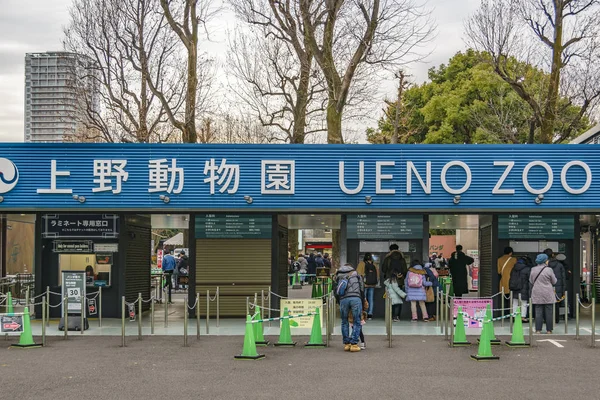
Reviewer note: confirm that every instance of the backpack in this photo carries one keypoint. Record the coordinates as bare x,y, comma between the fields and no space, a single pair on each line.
341,287
370,274
296,266
415,280
514,282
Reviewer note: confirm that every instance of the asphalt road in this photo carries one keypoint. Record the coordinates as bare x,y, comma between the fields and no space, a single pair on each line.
415,368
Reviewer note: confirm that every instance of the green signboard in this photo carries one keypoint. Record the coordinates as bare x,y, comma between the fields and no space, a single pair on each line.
233,226
367,226
521,226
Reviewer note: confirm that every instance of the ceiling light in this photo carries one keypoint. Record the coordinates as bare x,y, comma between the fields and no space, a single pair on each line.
312,215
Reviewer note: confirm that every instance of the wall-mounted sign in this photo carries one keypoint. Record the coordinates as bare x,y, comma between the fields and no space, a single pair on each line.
233,226
72,246
73,287
92,309
368,226
539,226
80,226
106,247
104,258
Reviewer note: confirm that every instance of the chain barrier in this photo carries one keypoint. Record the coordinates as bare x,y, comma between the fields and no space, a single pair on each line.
212,298
91,298
558,300
265,308
581,304
276,295
256,321
149,300
57,305
194,306
485,319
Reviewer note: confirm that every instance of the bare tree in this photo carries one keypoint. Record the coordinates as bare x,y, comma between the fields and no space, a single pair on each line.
186,17
554,35
271,57
345,36
119,43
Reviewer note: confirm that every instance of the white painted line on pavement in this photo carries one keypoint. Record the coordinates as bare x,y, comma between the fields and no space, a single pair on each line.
554,342
586,329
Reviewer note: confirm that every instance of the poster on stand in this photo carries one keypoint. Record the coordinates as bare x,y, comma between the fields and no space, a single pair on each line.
474,308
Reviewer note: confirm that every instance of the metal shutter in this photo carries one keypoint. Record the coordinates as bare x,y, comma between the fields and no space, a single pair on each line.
485,261
137,264
239,267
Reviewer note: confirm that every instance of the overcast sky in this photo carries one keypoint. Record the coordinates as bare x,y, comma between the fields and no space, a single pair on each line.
36,26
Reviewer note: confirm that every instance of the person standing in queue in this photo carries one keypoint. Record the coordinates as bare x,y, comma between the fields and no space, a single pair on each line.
432,276
349,290
168,266
458,269
542,281
326,260
371,277
505,266
519,285
312,267
394,263
397,295
416,281
183,266
561,279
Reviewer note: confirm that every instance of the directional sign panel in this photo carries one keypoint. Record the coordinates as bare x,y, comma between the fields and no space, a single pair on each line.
11,324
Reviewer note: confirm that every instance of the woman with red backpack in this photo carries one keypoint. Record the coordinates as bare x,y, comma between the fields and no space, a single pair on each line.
416,281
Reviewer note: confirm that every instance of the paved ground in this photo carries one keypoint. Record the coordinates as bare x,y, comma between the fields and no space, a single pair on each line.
416,367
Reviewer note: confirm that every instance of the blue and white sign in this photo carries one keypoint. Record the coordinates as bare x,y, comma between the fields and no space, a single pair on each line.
271,178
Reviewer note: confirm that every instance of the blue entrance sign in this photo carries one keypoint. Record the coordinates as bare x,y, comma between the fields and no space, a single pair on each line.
274,178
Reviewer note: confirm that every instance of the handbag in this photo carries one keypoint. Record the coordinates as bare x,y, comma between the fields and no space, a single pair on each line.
430,296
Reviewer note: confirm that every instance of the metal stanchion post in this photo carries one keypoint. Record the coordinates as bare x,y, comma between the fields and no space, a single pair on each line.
437,308
167,313
27,294
566,312
82,327
255,299
326,319
531,323
139,316
553,311
262,302
269,306
208,310
219,305
247,305
593,322
386,315
43,321
577,316
447,319
47,305
452,322
66,316
510,308
501,308
151,316
390,322
185,324
100,306
123,321
197,315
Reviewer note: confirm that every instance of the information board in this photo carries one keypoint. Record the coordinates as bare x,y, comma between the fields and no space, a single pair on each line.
73,287
521,226
233,226
302,306
368,226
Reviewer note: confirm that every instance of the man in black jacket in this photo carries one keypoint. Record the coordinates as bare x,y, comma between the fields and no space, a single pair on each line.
561,279
519,285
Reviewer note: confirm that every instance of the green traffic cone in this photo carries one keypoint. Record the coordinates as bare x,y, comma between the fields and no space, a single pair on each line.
316,338
460,336
296,282
26,338
517,339
285,334
259,338
488,316
319,291
249,350
485,348
9,304
314,294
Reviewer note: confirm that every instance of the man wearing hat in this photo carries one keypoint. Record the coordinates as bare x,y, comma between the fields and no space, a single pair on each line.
561,278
